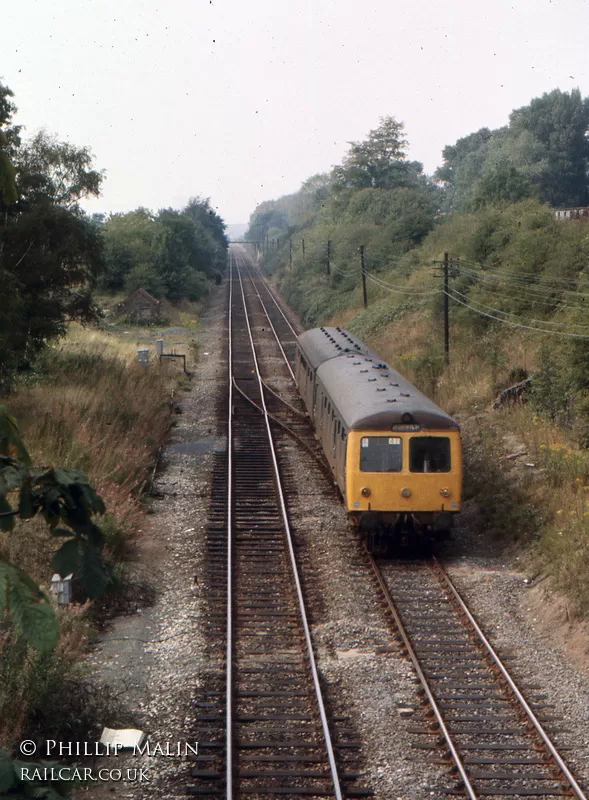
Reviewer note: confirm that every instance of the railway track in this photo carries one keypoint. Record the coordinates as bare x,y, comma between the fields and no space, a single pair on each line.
267,730
474,717
494,737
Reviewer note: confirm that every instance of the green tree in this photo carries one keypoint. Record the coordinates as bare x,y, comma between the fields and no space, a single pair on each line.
502,183
128,246
50,252
544,152
56,171
8,193
379,162
170,254
178,254
463,166
559,123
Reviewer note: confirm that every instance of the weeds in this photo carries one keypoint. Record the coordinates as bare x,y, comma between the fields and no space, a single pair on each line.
91,407
504,497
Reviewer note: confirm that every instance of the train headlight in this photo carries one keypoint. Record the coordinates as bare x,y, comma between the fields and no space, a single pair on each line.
445,492
366,492
405,492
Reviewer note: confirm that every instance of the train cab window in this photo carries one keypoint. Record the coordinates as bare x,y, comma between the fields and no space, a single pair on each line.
381,454
429,454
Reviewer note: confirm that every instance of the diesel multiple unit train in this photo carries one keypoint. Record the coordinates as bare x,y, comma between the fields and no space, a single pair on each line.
395,456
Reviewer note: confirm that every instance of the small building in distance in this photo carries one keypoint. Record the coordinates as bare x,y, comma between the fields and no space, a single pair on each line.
580,212
140,305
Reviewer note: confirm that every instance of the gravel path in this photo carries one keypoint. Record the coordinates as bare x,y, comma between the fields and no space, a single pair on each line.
154,655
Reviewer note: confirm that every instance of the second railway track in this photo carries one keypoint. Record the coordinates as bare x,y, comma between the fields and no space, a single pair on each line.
494,737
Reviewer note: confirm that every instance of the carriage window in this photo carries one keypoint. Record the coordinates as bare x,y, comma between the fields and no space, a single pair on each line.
429,454
381,454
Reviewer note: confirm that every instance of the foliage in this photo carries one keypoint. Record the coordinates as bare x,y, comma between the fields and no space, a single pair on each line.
172,254
543,152
375,198
67,502
379,162
56,171
50,252
13,785
502,496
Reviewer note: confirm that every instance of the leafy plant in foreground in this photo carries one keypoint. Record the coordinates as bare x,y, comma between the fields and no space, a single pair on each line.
67,502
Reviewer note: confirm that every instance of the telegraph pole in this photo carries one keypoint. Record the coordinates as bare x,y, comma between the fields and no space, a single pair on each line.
328,256
303,244
290,252
446,263
363,267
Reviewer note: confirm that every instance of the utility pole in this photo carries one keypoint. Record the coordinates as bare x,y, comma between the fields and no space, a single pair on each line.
363,267
328,256
290,252
303,243
446,263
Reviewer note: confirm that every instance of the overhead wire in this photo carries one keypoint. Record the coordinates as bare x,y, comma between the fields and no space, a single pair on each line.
528,291
557,303
517,273
514,279
517,316
515,324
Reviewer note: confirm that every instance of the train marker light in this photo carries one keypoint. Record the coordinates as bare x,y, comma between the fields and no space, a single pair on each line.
366,492
405,492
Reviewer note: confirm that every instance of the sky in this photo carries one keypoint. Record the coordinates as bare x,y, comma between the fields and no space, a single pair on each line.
241,101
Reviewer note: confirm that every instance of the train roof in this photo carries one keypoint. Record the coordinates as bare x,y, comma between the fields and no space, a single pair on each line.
371,395
322,344
367,392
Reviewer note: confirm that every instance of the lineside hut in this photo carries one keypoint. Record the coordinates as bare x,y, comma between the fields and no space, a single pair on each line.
140,305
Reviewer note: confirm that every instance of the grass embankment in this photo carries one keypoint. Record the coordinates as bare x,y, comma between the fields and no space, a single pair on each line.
91,407
540,265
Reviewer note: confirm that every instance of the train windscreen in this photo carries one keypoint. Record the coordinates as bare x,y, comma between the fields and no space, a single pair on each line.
381,454
429,454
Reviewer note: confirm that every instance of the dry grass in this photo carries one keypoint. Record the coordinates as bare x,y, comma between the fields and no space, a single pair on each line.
96,410
92,408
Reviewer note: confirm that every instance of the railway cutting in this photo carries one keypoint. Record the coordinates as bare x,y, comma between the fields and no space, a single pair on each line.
269,724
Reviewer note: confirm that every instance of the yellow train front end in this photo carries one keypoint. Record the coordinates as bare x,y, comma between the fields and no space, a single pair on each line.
398,476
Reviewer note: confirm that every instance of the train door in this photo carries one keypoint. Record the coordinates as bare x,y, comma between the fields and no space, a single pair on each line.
340,456
319,410
329,437
310,396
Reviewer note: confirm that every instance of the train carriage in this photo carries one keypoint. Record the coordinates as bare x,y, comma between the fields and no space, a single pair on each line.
395,455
